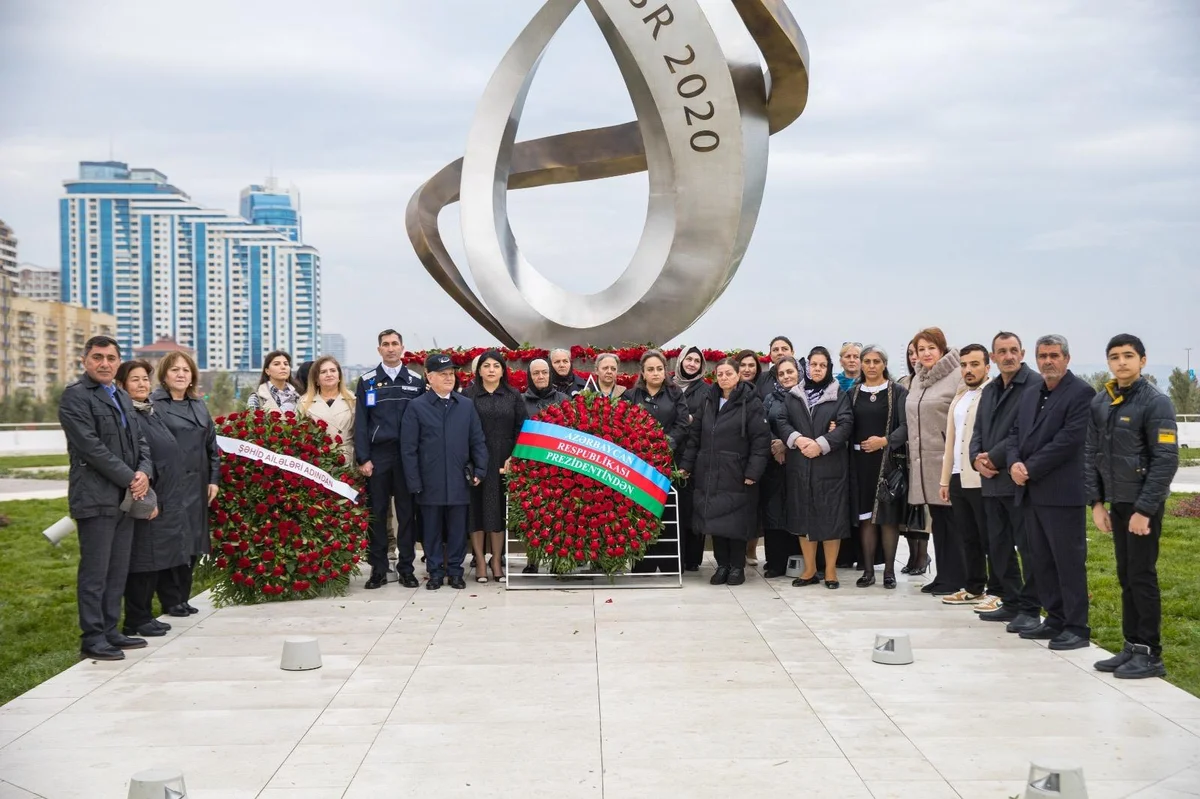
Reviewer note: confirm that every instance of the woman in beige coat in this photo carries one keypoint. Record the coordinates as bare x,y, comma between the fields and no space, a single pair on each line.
327,400
929,396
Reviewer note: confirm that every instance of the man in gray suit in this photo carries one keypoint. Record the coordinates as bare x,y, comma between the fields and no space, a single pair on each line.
109,456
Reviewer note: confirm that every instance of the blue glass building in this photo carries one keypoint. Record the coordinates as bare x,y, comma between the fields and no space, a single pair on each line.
231,287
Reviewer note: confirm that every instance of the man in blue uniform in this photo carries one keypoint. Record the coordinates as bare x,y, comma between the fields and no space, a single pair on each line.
381,398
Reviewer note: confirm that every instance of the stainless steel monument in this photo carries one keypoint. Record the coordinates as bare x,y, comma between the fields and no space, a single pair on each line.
705,109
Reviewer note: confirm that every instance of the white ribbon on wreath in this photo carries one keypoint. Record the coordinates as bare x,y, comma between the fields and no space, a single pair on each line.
253,452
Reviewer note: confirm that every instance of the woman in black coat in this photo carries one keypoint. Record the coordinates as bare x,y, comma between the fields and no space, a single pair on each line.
502,412
689,379
159,544
772,497
726,456
816,423
540,394
186,416
664,402
881,438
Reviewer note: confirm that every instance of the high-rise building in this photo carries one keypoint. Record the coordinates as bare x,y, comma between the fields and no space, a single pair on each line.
232,290
334,344
38,283
8,290
49,339
266,205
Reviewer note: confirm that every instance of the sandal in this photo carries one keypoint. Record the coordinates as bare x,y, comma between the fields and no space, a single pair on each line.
500,578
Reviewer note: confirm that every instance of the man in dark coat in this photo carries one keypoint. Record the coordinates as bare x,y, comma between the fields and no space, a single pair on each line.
380,401
1014,582
443,452
1045,453
1131,457
109,456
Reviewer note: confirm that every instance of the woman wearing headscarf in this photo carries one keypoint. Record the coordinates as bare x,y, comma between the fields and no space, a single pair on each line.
540,393
160,544
927,410
779,544
276,390
502,412
655,395
750,371
880,435
689,379
178,402
726,454
816,425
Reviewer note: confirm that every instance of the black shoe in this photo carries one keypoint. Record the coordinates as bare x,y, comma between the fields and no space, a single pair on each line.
376,581
866,581
104,651
1043,632
906,569
179,611
889,581
832,584
530,568
771,574
1068,640
125,642
720,576
942,592
691,568
149,629
191,609
799,581
1109,665
1022,623
736,577
1142,665
929,588
458,582
999,614
434,583
162,625
410,580
919,570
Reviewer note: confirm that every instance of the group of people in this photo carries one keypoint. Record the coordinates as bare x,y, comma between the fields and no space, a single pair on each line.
998,471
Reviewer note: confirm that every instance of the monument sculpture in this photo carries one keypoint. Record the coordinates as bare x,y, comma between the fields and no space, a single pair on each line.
704,108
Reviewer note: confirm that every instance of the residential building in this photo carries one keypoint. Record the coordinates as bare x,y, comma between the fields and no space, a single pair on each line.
334,344
138,247
49,339
8,290
266,205
153,353
38,283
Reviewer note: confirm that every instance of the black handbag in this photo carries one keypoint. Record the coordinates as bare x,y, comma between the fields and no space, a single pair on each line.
893,485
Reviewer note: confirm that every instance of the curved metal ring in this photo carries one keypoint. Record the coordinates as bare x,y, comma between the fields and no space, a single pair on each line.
702,210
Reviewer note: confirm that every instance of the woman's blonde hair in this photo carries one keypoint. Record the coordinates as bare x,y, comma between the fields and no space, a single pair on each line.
169,361
314,385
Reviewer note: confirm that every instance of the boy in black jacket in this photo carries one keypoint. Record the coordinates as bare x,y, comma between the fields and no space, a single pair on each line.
1131,457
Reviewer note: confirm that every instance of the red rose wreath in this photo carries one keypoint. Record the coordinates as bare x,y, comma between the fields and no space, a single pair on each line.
277,535
568,520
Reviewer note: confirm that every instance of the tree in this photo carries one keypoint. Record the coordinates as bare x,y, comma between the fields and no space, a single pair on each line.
1097,379
220,397
1184,392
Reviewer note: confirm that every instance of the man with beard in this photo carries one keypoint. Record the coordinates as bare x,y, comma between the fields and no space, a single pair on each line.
960,484
1046,450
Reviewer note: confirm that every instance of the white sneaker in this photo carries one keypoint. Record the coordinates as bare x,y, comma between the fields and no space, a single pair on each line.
988,603
962,597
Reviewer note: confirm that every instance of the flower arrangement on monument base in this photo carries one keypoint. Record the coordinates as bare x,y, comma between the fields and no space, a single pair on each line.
278,535
569,521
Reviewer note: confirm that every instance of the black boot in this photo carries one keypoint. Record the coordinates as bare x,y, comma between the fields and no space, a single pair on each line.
720,576
1116,661
736,577
1141,665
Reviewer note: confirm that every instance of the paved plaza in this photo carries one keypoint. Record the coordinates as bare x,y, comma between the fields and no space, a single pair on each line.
761,690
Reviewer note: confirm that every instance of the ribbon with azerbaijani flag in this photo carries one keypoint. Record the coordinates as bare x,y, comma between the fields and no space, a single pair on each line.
597,458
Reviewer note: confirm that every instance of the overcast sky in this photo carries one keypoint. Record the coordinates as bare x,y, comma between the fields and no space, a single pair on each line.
975,165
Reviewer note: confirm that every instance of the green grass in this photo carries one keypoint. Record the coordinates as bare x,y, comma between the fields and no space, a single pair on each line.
39,624
30,461
1179,580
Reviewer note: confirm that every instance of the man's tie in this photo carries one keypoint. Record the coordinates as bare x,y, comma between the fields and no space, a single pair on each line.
112,393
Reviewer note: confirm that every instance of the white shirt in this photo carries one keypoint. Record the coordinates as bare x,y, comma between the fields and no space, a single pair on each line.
960,425
392,371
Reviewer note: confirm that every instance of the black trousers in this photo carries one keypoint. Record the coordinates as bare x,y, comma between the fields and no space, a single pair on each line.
104,546
140,588
729,552
779,545
385,485
947,549
444,537
1058,537
971,526
1137,571
693,543
1013,579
